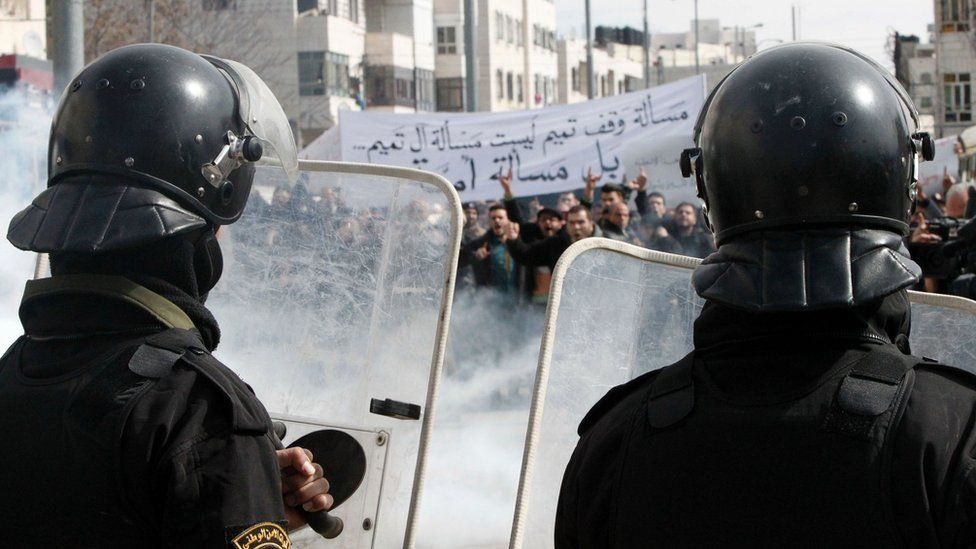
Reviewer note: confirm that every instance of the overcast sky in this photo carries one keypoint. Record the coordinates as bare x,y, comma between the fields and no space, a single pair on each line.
860,24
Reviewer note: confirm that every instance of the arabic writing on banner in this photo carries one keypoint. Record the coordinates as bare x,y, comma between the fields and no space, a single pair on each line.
548,150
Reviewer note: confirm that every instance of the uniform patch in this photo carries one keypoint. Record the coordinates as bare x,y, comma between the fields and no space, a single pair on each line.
264,535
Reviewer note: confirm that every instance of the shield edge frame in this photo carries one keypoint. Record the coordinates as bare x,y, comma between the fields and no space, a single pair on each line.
42,269
444,316
536,411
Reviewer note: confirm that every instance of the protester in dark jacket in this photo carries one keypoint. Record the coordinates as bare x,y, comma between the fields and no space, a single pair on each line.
547,251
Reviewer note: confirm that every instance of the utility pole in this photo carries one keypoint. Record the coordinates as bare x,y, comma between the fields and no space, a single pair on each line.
793,10
647,51
470,58
151,12
68,41
697,65
589,54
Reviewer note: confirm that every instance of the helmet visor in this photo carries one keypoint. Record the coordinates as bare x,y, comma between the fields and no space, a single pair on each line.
263,116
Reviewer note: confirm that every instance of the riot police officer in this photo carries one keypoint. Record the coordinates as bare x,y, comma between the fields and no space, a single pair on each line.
800,418
120,427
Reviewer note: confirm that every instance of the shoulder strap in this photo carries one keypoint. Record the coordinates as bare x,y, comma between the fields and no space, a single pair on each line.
868,391
870,387
672,396
157,356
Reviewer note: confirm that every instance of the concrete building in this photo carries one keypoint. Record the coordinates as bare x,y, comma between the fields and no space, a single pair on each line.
23,28
618,57
399,65
915,68
310,52
955,66
613,72
328,38
516,54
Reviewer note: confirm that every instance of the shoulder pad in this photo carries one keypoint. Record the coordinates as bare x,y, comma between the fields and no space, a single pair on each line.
613,397
157,356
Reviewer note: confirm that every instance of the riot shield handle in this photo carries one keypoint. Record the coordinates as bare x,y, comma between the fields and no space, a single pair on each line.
347,461
328,526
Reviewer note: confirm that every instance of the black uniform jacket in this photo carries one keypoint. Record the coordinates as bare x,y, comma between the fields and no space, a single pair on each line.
768,455
120,429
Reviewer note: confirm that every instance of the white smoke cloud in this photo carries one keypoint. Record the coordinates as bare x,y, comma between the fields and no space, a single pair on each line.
482,416
25,122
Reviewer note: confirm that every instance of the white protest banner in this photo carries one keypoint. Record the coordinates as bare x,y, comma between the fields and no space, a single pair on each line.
930,174
548,150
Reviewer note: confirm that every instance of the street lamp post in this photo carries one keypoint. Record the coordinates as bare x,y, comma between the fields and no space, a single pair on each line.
647,51
589,54
697,66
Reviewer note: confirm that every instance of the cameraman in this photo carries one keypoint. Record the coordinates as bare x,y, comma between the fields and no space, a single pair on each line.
939,242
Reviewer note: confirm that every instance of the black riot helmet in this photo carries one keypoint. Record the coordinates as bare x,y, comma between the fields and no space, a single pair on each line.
805,135
151,141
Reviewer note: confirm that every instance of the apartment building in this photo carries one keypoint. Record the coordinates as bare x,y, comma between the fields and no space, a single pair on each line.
618,58
516,54
310,52
614,72
955,66
915,68
399,65
23,28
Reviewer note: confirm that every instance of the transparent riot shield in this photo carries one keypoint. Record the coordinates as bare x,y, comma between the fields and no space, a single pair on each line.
617,311
334,306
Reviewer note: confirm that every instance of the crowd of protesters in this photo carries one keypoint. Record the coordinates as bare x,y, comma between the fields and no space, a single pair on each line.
510,246
937,221
515,253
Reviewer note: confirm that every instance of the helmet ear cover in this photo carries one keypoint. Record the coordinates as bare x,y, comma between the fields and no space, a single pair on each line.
782,141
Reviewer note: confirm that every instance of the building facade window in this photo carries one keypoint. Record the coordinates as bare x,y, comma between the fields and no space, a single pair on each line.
499,84
925,102
336,74
926,78
499,26
311,73
574,79
957,95
387,85
519,35
446,40
509,30
509,86
955,15
450,94
536,35
519,95
425,90
323,73
354,11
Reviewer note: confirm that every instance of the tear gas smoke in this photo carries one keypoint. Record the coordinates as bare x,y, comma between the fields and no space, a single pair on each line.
476,453
320,326
25,121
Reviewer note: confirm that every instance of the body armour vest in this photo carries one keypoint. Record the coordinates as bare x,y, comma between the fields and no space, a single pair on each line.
62,439
812,470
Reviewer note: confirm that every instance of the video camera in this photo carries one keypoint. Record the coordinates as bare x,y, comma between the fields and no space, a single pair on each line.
954,258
